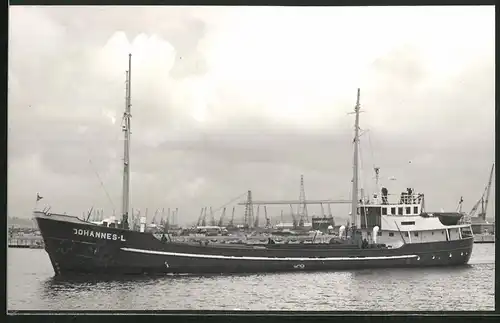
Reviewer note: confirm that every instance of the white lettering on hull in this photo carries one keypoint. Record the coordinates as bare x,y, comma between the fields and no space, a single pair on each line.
191,255
100,235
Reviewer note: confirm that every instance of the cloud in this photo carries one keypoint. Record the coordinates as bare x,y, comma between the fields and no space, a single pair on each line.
230,99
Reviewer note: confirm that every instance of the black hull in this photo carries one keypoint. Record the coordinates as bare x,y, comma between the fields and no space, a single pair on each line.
73,248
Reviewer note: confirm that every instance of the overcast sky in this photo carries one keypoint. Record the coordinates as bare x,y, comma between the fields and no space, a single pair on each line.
230,99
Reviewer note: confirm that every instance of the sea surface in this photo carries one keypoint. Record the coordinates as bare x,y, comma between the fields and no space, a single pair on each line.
31,286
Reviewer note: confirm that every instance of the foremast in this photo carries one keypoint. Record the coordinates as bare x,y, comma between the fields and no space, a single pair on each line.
355,167
126,147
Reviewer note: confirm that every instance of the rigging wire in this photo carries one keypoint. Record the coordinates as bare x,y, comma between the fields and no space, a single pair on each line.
373,161
363,183
231,201
116,140
102,183
371,148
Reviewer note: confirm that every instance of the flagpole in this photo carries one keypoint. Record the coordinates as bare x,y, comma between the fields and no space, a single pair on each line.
36,203
38,198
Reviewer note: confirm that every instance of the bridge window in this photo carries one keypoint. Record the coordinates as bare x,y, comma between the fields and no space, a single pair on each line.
379,234
391,234
408,209
415,209
408,223
415,234
406,234
384,211
400,211
393,210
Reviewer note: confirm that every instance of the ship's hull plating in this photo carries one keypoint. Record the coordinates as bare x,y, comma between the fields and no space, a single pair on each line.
76,247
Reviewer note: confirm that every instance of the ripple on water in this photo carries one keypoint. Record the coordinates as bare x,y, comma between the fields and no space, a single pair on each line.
461,288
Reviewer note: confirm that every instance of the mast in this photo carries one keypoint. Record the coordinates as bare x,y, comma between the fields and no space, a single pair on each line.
126,148
354,205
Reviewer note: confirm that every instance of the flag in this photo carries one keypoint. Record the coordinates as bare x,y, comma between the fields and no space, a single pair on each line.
38,197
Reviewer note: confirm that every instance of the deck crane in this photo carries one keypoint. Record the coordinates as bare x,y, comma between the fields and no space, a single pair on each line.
221,219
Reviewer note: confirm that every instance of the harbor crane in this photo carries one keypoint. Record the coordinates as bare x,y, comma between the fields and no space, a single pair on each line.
221,219
231,223
268,221
256,222
295,202
483,201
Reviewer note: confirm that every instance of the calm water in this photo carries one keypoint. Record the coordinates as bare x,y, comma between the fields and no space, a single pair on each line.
30,285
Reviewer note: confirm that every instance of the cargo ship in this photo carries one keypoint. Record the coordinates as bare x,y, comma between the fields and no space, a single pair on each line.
381,234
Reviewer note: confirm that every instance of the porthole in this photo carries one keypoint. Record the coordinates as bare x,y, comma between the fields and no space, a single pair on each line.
461,254
418,257
433,257
450,255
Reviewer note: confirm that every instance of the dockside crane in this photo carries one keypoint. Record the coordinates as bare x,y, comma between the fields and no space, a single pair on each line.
268,220
231,222
175,216
249,210
168,222
221,219
302,207
204,218
483,201
212,218
198,223
256,222
293,217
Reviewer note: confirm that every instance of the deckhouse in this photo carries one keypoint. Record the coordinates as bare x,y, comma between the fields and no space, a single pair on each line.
401,219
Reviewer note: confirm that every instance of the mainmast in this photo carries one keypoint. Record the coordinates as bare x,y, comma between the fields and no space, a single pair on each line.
126,148
354,205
